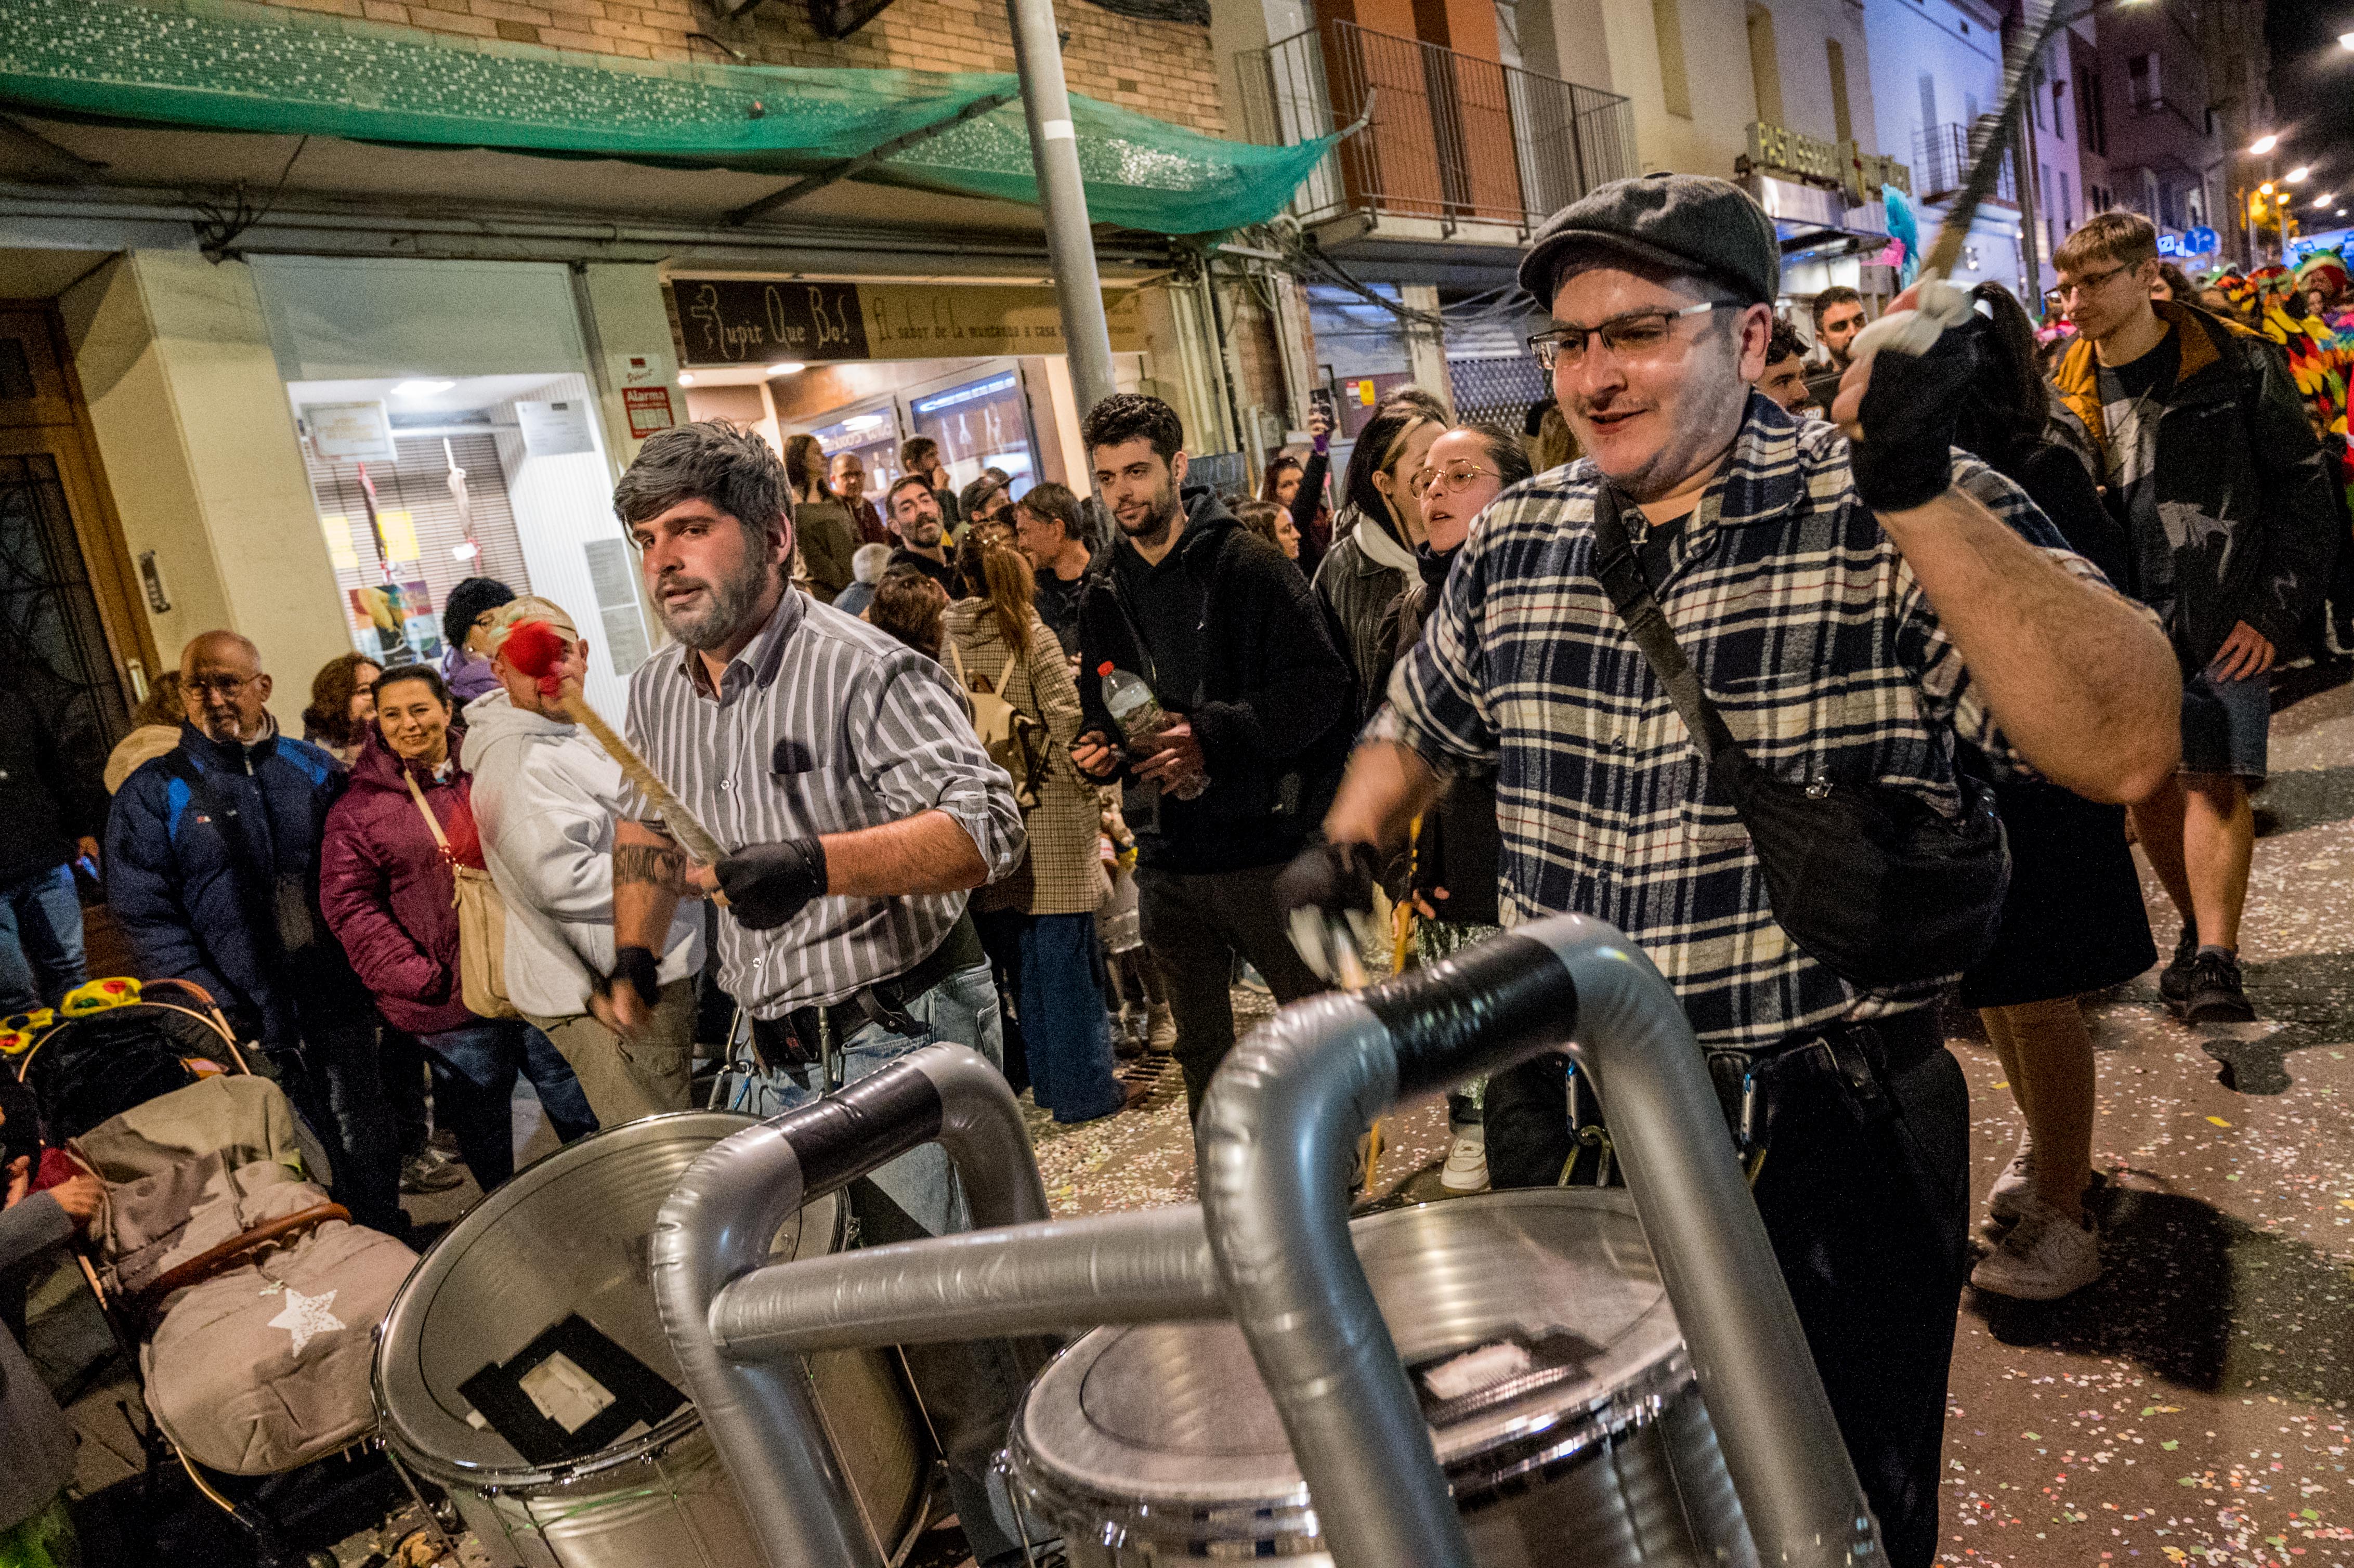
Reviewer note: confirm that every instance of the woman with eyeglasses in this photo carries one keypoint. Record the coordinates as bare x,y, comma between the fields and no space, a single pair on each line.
1509,1130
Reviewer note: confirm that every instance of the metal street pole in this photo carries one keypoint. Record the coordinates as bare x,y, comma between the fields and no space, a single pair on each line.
1054,154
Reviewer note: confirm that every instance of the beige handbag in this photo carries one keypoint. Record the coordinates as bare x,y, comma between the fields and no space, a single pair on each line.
481,926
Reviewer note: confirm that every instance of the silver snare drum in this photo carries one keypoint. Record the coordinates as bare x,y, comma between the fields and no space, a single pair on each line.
569,1234
1561,1399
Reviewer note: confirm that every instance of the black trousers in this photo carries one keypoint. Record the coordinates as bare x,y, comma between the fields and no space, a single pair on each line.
1868,1217
1870,1225
1194,924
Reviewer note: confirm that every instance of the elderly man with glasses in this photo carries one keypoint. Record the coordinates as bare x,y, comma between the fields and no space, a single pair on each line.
212,856
1857,602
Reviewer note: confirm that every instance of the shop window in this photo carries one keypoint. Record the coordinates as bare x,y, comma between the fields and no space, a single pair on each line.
422,483
874,435
980,425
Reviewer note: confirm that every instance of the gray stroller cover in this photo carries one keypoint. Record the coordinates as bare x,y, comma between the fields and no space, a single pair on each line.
259,1324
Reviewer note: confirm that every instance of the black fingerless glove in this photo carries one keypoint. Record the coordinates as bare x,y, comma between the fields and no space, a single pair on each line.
641,970
768,884
1335,878
1905,457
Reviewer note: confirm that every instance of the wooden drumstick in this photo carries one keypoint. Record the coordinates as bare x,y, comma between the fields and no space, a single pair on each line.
535,648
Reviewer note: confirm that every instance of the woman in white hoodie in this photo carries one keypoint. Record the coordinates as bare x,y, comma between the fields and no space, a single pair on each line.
545,796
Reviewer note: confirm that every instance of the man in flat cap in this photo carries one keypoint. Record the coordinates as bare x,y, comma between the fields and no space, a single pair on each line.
1860,604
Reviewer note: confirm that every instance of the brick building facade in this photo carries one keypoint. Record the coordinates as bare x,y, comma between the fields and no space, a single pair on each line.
1161,69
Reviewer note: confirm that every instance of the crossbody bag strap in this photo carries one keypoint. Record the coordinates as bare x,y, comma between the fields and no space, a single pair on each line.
1616,568
432,822
433,825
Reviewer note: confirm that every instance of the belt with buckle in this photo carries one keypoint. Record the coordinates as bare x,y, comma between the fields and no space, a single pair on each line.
799,1035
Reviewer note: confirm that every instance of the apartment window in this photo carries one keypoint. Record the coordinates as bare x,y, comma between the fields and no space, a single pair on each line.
1841,119
1765,66
2067,203
2141,80
2091,119
2037,98
1928,86
1675,84
2059,114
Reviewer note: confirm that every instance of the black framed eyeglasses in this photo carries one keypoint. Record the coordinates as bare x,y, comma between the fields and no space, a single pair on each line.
1636,332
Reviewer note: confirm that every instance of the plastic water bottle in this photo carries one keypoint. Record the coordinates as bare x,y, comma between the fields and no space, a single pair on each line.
1140,717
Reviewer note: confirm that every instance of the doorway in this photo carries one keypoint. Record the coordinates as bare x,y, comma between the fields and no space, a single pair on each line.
68,623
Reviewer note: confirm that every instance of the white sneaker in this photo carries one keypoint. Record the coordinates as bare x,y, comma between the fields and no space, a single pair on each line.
2014,1189
1466,1163
2043,1258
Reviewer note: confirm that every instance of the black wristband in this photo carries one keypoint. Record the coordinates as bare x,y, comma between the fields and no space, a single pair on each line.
768,884
641,970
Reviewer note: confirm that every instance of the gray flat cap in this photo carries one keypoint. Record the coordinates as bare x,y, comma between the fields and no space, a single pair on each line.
1691,222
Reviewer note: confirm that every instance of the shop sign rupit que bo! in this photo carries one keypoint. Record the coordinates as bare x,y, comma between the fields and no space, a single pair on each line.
737,320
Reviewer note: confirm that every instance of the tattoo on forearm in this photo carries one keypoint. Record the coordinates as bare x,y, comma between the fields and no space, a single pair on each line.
650,865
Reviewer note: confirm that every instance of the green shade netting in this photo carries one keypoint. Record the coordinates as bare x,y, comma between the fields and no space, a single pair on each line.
219,65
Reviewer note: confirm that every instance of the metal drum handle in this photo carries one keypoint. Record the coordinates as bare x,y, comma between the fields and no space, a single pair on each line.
1277,1136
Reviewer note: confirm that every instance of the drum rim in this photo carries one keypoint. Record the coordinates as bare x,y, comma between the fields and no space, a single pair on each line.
1114,1518
435,1266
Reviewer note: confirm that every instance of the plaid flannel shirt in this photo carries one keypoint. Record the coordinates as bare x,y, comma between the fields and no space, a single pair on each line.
1811,635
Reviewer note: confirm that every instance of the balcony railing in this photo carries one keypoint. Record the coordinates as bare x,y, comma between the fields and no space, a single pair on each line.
1941,162
1449,137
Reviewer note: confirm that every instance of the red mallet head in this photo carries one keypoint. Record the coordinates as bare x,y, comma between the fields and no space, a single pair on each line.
535,648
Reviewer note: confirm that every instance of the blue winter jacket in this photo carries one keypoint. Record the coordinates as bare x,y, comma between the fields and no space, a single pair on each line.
220,902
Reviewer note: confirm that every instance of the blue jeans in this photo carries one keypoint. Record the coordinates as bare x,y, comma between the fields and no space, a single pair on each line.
968,1390
1063,1019
474,1069
40,941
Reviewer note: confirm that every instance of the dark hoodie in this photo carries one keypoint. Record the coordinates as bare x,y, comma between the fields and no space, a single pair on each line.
1269,694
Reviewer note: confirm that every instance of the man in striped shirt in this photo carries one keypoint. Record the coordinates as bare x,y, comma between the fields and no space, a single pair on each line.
838,773
1857,610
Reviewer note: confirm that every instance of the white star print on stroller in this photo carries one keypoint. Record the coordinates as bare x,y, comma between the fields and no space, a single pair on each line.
248,1297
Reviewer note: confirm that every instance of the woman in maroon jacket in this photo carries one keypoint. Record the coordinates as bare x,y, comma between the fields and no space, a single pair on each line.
389,896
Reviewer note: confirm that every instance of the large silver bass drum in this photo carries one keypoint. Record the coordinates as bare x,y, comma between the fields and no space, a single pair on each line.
567,1239
1540,1342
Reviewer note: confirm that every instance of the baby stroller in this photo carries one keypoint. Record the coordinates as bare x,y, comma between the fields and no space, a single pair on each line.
246,1297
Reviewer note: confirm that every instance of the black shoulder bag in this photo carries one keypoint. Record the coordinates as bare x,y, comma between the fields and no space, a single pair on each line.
1873,882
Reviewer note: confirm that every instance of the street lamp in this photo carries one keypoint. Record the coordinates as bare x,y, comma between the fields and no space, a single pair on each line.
2296,176
2346,40
2264,144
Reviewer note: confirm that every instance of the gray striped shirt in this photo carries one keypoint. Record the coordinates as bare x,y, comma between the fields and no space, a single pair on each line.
822,725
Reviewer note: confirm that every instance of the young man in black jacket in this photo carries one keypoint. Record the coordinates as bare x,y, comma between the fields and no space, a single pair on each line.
1236,648
2215,470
